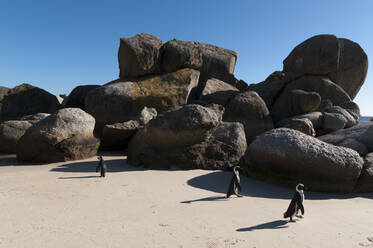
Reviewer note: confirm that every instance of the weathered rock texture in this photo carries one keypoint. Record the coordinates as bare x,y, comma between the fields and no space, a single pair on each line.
139,55
283,107
189,137
77,96
269,89
344,61
285,155
359,138
116,136
26,99
365,182
10,133
121,101
250,110
65,135
303,125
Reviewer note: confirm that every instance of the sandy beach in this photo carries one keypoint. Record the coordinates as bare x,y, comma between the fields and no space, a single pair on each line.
68,205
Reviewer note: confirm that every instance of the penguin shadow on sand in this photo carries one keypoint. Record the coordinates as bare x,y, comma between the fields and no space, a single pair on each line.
277,224
112,166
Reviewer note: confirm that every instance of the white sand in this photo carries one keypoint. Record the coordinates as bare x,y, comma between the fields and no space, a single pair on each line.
67,205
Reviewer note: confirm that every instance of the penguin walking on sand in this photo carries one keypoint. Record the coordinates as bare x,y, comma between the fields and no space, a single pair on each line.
296,203
101,167
235,186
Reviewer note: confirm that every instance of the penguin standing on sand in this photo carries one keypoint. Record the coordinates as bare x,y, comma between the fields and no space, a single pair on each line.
234,186
296,203
101,167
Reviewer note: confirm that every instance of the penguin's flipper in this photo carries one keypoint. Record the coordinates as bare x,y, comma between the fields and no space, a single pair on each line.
231,188
301,208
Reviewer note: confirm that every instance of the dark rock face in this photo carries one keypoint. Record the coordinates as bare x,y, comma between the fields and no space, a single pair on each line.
353,67
250,110
344,61
350,119
10,133
269,89
365,182
121,101
189,137
116,136
333,122
77,96
359,138
304,102
316,118
65,135
282,108
139,55
210,60
26,99
303,125
285,155
218,92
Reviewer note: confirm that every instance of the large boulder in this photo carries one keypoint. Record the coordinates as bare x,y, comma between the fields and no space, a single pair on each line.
121,101
116,136
365,182
10,133
344,61
289,156
333,122
35,117
283,107
249,109
139,55
359,138
210,60
351,120
218,92
62,136
77,96
317,119
189,137
26,99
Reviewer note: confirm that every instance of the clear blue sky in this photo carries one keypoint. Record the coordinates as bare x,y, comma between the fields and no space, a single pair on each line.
57,45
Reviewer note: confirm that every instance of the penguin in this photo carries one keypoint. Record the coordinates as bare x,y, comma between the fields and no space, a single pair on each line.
296,203
101,167
234,186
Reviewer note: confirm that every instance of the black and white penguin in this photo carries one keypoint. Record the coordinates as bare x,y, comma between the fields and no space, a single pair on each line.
234,186
296,203
101,167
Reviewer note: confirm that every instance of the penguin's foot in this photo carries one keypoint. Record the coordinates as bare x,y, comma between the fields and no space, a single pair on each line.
238,195
300,216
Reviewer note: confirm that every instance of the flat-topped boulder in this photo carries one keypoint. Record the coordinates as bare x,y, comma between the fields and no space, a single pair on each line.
218,92
26,99
116,136
62,136
210,60
288,156
139,55
121,101
343,60
189,137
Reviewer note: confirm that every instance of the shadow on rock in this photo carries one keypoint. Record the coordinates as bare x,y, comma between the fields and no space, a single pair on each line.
114,165
277,224
218,182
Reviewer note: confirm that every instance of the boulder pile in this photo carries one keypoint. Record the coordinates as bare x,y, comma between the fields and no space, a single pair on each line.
179,104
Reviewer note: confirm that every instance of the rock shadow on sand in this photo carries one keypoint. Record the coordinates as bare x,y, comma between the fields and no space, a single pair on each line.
277,224
113,166
218,182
